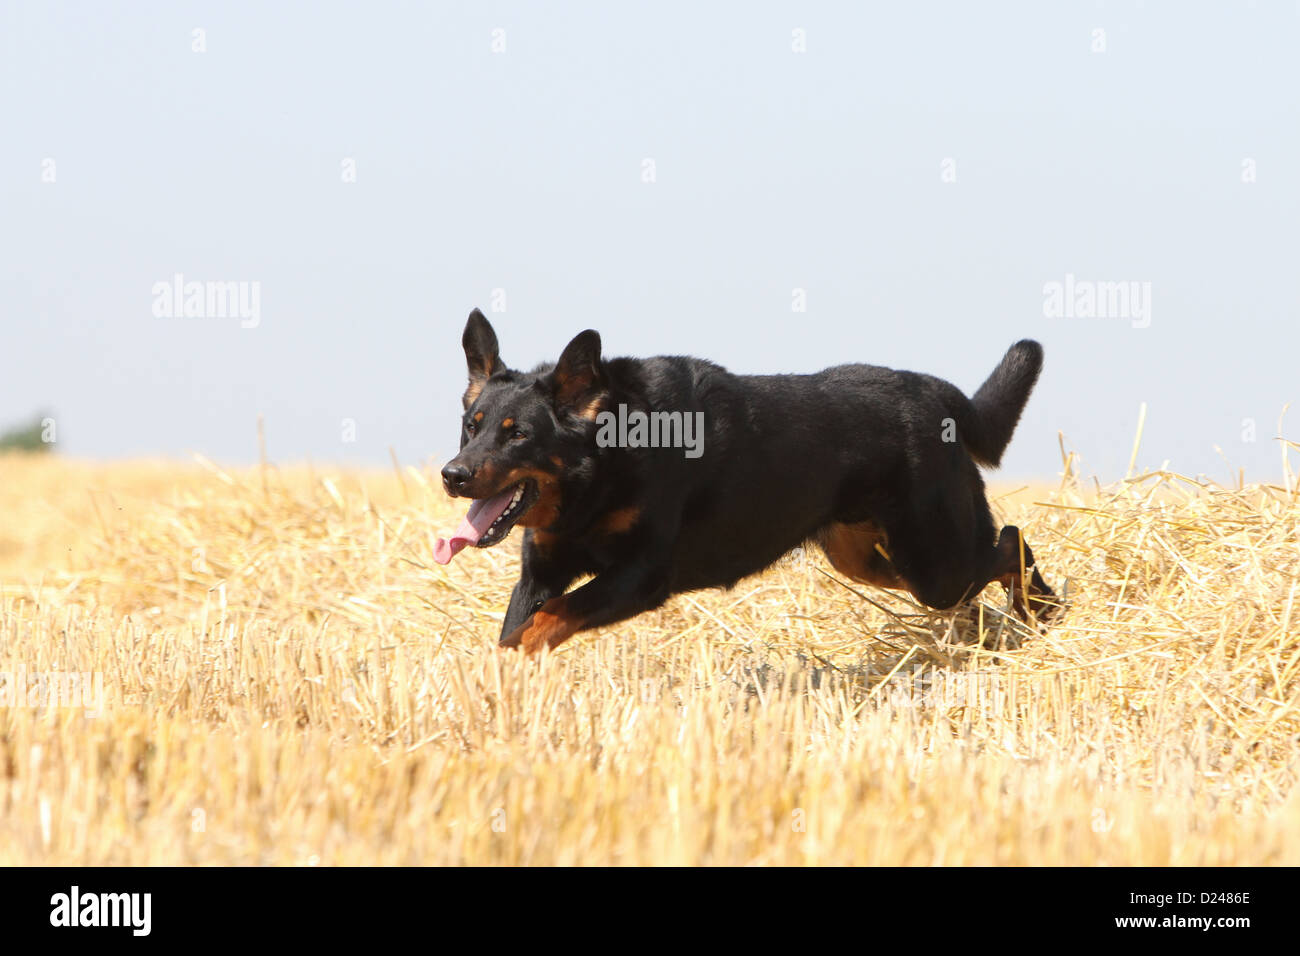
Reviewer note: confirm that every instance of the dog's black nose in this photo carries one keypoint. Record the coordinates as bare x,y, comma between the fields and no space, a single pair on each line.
454,477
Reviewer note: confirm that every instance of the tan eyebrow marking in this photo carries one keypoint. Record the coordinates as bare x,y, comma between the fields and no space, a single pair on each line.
478,417
508,423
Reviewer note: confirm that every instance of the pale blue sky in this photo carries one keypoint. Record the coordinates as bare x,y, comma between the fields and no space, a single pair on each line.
522,171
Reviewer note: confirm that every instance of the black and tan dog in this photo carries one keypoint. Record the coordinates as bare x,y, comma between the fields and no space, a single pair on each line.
879,467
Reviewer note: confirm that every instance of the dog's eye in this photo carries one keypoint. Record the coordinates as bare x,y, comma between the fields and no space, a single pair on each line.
470,428
518,434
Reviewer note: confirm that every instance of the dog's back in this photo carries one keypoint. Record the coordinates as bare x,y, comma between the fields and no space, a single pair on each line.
789,455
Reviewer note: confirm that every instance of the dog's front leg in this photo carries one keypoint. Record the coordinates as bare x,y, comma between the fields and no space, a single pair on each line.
543,575
609,597
529,595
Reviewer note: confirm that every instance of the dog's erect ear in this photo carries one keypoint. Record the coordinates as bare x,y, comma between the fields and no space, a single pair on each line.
481,356
579,379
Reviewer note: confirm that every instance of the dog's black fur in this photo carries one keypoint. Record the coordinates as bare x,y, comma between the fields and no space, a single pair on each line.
875,465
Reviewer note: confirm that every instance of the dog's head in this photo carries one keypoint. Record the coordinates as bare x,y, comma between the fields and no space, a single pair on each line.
521,433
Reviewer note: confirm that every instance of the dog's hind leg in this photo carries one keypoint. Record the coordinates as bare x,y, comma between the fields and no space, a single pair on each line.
946,557
1014,569
1010,562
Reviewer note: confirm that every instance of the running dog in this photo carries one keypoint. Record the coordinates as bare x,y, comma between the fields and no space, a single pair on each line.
878,467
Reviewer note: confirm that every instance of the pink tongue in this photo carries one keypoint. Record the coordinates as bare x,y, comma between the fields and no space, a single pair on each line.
475,524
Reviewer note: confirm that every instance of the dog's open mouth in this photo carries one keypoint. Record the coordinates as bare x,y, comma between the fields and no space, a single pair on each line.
489,520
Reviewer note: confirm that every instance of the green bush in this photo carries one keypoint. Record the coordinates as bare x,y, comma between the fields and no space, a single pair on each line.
29,437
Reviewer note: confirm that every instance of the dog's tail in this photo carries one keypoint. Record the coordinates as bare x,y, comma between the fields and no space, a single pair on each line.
1000,400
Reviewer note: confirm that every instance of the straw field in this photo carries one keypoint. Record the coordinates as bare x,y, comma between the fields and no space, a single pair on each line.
271,670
